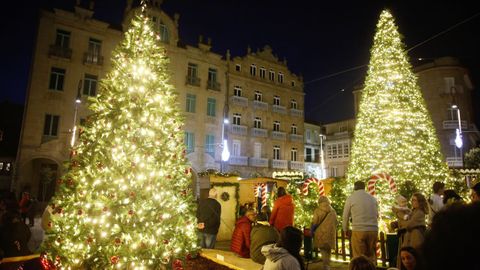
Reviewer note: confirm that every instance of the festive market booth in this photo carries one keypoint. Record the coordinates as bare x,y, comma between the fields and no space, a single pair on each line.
234,191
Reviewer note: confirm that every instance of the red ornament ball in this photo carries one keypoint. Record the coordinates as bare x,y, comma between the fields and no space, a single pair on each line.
114,259
166,241
177,263
130,212
118,241
79,212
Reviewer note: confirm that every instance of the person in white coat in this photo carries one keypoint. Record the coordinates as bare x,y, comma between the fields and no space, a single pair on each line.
285,255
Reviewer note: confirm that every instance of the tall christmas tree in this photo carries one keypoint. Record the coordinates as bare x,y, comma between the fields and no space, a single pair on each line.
394,133
124,202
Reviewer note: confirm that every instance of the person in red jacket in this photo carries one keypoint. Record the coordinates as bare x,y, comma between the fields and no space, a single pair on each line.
241,234
283,210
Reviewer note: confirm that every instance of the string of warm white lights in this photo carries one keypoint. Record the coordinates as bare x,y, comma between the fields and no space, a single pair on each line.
394,132
125,201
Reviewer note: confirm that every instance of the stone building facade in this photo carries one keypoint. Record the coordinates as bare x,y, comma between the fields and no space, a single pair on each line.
72,54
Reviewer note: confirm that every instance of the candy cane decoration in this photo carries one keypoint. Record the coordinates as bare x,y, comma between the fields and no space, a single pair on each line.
321,187
373,180
263,188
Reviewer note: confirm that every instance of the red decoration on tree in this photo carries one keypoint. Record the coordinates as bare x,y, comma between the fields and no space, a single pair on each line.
59,181
70,182
165,241
132,194
105,209
189,257
50,224
114,259
130,212
89,240
118,241
177,263
79,212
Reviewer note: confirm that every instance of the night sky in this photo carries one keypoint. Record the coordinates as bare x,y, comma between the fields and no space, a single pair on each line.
318,39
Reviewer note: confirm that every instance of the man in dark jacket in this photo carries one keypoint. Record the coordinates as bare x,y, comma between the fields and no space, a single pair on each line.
208,215
262,234
241,234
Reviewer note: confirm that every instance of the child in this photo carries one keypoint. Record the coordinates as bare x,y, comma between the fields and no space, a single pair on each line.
401,210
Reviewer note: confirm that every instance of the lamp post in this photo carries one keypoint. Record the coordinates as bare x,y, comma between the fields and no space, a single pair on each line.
78,100
322,158
225,152
458,131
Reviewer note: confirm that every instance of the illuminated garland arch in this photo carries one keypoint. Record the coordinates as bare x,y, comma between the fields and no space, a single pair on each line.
374,178
308,181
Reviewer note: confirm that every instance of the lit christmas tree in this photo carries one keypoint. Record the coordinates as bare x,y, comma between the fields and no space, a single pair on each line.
125,202
394,132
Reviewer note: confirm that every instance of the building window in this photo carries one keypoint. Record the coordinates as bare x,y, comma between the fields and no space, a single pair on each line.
236,118
236,148
293,154
276,100
293,104
257,150
237,91
164,34
308,135
276,152
308,154
257,122
346,150
253,70
271,75
94,50
50,127
280,77
57,77
449,85
210,145
212,75
276,126
333,172
293,129
211,106
238,67
263,72
62,39
190,104
90,85
189,142
293,83
192,70
258,96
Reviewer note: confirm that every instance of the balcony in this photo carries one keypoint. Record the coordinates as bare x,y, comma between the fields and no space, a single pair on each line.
279,164
296,165
454,162
92,59
238,160
260,105
279,135
279,109
238,129
213,85
240,101
259,132
60,51
453,124
296,113
258,162
296,138
195,81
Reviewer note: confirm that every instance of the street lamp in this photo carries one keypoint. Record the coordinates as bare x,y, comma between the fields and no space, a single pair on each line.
78,100
225,152
322,158
458,131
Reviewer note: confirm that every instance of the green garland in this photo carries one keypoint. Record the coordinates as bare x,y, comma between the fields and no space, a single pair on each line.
217,173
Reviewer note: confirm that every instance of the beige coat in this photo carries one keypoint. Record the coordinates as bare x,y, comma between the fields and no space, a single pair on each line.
415,226
326,218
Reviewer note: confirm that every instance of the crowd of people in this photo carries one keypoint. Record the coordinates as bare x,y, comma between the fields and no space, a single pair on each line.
432,232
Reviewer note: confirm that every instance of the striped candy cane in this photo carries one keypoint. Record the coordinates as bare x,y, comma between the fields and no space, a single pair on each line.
373,180
308,181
